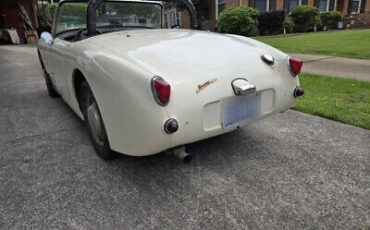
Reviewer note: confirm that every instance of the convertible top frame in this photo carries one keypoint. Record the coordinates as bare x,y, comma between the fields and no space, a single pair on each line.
92,5
95,4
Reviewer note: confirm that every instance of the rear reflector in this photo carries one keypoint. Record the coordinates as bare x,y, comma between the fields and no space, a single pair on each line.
171,126
298,91
161,90
295,66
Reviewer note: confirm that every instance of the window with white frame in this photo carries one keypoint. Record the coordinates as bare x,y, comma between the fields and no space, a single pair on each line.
355,6
324,5
261,5
293,4
289,5
172,18
221,4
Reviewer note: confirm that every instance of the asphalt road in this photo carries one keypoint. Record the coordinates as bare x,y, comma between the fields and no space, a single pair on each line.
291,171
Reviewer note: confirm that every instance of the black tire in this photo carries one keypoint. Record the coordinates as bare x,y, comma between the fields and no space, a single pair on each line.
100,140
49,84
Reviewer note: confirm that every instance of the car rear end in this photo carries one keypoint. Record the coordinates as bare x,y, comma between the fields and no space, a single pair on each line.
213,105
174,87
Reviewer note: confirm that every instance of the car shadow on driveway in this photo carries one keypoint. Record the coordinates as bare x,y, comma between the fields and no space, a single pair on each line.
213,159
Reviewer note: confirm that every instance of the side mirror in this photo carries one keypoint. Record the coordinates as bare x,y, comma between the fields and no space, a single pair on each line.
46,36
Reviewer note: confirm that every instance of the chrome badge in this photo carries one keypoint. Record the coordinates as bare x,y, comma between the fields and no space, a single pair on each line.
205,84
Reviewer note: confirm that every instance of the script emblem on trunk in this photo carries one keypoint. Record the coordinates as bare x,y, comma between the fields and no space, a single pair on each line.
205,84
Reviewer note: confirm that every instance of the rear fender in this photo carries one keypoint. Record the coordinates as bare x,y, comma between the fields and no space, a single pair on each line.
129,112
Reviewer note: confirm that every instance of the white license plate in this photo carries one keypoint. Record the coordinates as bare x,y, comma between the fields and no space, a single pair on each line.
240,109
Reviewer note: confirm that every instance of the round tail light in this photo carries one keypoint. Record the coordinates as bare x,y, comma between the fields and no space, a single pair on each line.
171,126
161,90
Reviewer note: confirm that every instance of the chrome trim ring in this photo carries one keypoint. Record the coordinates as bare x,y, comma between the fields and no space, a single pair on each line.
94,120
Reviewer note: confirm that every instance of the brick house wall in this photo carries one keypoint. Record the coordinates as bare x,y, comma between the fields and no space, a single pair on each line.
232,3
344,6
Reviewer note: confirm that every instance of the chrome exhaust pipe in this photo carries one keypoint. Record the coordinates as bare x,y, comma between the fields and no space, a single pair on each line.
180,153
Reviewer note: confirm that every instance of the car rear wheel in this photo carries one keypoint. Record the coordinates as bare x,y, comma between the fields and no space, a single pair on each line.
95,123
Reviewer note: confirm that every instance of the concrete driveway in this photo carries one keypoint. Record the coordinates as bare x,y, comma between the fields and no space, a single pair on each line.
291,171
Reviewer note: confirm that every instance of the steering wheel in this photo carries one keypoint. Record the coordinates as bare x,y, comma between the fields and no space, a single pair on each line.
78,33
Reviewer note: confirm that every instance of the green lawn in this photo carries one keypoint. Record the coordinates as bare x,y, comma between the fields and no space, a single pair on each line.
339,99
345,43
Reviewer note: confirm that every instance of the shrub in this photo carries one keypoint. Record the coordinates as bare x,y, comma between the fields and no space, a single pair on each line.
304,17
238,20
271,22
51,9
319,25
331,18
69,9
288,25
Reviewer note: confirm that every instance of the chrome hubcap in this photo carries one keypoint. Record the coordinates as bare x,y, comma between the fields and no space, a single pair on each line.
94,120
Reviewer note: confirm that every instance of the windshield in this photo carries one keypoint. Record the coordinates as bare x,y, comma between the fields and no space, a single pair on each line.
72,15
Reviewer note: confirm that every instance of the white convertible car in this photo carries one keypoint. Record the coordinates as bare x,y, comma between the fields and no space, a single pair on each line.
142,89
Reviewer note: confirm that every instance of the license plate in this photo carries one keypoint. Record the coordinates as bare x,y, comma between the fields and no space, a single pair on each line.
240,109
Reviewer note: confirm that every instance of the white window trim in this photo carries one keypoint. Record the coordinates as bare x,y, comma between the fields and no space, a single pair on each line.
168,16
216,1
299,4
217,8
358,8
327,5
268,5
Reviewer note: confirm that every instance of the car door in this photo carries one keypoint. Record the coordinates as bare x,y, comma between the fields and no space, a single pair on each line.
57,53
43,50
69,16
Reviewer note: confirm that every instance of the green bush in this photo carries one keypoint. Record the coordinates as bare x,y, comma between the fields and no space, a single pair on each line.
288,25
331,18
271,22
69,9
51,8
319,24
304,17
238,20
